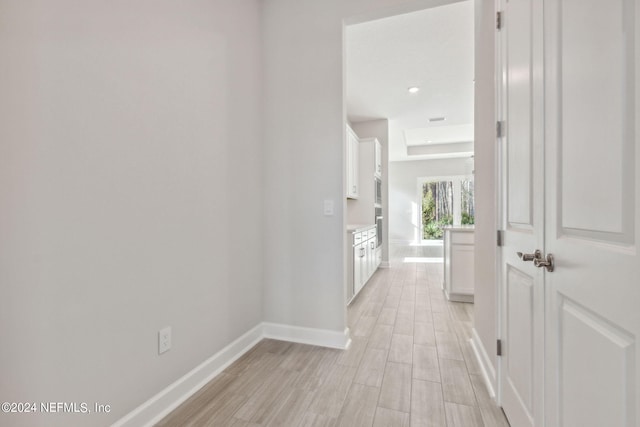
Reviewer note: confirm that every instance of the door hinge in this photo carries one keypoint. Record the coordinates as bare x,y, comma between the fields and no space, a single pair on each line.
498,20
499,347
500,125
499,238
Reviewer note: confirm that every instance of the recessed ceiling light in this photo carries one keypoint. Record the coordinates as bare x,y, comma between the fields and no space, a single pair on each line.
413,89
436,119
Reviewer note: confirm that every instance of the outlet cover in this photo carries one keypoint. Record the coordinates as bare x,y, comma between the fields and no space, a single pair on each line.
164,340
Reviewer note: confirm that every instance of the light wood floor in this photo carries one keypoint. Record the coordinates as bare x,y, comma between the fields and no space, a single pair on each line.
410,364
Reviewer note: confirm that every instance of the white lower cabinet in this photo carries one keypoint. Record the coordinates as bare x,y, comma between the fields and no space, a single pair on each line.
364,258
359,254
458,263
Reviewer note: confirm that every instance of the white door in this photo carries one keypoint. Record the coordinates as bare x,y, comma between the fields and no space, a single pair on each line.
522,286
593,213
571,189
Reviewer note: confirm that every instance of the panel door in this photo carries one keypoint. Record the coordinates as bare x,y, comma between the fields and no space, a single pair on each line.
522,287
592,218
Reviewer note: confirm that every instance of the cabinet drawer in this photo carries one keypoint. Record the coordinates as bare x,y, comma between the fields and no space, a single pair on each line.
371,233
461,238
357,238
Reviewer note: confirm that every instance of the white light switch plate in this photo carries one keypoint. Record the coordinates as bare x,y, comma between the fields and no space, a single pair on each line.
328,207
164,340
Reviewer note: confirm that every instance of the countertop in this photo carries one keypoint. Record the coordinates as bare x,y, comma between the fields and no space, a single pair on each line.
354,228
467,228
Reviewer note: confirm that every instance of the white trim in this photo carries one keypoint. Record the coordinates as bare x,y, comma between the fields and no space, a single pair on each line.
488,372
467,298
160,405
319,337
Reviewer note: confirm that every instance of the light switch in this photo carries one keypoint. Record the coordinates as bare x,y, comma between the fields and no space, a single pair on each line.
164,340
328,207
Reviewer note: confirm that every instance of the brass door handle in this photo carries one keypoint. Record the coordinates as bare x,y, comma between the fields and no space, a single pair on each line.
548,263
530,257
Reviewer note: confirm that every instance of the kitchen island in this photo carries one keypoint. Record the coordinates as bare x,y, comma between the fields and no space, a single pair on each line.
458,282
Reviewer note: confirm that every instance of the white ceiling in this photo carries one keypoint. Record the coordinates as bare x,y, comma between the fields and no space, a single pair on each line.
431,49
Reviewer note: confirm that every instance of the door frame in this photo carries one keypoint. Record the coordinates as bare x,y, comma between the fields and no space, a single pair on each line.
500,185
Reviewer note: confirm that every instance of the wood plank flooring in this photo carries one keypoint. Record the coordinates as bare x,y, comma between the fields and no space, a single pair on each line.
410,364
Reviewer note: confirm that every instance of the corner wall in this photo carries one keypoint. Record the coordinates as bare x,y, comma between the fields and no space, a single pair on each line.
304,141
130,176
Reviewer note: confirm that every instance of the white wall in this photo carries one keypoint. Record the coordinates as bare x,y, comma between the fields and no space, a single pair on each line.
130,188
403,193
485,319
378,129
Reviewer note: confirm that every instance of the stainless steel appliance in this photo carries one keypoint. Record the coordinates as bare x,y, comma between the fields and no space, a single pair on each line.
378,188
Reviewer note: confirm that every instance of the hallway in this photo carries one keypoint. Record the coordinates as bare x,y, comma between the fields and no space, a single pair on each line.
410,364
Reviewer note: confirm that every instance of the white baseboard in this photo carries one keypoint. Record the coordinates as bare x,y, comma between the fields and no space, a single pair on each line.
488,371
160,405
467,298
319,337
385,264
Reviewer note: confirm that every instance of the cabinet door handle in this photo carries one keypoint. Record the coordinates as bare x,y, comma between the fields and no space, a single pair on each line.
372,247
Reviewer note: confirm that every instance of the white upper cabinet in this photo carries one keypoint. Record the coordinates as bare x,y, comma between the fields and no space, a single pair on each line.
378,156
353,156
370,158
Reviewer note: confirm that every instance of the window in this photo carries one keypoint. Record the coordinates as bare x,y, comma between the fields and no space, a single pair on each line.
467,205
437,208
445,200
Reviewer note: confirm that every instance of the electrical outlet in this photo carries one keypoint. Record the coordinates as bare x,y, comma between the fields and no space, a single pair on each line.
164,340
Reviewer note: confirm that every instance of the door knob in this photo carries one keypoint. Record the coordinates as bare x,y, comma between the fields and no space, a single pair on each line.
530,257
548,263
